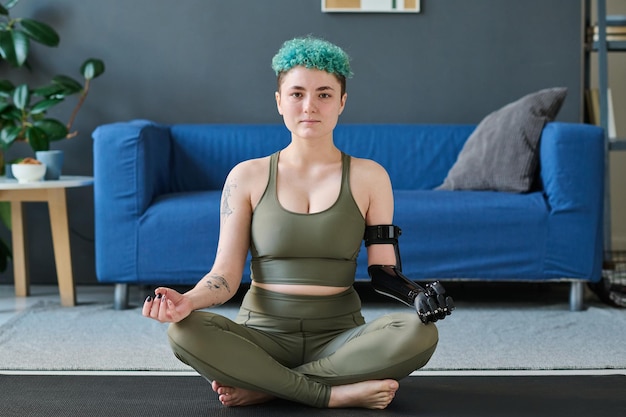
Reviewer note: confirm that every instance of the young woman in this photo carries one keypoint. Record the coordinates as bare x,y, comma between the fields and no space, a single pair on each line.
302,212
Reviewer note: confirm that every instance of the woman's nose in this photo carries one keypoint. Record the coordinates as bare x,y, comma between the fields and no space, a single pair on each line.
309,105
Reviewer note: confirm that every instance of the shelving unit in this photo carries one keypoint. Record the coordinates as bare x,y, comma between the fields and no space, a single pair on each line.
603,47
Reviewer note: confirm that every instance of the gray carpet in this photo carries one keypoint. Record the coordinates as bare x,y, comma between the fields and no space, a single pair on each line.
478,336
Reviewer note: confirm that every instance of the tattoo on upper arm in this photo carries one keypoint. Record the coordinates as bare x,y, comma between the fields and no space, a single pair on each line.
226,210
217,282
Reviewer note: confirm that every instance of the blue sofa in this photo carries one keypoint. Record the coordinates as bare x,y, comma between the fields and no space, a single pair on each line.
157,196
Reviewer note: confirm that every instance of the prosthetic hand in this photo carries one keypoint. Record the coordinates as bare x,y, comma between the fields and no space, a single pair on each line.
430,301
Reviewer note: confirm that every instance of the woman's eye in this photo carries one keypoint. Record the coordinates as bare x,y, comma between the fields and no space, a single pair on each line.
296,95
324,95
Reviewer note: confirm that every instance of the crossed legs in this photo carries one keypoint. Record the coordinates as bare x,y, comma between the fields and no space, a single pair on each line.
358,367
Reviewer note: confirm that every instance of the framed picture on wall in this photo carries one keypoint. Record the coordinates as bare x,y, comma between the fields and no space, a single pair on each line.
371,6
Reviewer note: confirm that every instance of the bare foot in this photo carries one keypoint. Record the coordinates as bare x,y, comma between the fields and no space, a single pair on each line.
367,394
237,397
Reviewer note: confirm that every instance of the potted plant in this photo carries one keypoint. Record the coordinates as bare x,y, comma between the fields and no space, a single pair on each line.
24,108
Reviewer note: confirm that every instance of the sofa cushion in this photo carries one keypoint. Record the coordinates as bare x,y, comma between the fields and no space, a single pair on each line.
502,152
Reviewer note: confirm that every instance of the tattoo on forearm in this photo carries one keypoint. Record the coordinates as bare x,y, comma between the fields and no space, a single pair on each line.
217,282
215,305
226,209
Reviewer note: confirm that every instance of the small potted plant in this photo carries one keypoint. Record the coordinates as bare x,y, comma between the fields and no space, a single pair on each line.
23,108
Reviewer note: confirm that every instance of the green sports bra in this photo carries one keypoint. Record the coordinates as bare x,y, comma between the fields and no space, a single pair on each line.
307,249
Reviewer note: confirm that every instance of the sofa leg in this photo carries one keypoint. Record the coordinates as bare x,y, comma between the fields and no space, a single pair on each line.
576,296
120,301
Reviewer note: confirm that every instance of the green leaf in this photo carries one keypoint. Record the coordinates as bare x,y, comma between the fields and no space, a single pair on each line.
50,91
5,255
53,129
11,3
40,32
6,88
70,85
21,46
3,11
8,134
6,85
21,96
7,51
92,68
5,213
11,113
37,139
44,105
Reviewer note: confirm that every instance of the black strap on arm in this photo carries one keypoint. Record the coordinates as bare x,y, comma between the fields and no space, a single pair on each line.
384,234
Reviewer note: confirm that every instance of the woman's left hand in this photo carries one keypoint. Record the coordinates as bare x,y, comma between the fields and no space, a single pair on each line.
168,306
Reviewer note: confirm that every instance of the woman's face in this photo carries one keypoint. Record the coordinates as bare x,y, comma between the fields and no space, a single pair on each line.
310,102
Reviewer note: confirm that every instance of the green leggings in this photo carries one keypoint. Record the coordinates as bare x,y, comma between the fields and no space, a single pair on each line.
298,347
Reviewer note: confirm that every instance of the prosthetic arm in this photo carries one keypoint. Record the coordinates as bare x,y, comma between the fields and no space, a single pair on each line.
430,301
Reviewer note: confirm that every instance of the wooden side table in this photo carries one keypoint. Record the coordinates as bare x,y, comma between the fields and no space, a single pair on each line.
53,193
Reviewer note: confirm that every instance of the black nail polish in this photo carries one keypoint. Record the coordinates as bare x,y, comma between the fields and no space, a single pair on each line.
148,299
158,296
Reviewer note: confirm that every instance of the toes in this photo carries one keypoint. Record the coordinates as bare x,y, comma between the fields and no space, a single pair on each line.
221,389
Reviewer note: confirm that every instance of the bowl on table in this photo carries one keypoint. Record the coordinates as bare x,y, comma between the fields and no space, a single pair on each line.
25,173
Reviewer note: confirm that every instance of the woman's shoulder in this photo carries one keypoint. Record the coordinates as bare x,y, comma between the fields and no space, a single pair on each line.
367,168
367,176
250,177
251,168
371,188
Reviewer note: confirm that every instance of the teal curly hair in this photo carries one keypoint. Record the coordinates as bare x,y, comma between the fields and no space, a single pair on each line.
310,52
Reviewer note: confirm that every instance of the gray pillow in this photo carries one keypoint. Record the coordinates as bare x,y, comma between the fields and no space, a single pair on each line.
502,152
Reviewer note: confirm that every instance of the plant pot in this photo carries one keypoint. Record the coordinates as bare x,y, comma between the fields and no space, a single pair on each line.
7,171
53,161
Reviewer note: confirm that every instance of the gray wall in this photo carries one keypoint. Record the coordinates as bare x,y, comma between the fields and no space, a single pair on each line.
208,61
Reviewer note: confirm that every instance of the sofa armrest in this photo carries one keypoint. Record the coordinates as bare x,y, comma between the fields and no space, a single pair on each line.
131,168
572,168
572,165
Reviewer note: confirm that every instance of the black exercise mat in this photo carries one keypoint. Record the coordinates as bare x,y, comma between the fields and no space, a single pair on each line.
188,396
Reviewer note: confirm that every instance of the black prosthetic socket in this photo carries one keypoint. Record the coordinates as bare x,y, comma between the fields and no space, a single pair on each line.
429,301
387,280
